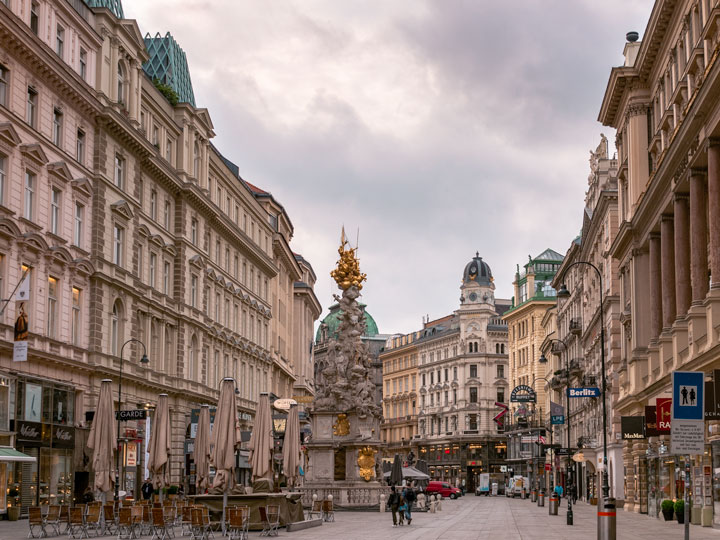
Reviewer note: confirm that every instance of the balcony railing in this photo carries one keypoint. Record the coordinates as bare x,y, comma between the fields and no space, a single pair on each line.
576,366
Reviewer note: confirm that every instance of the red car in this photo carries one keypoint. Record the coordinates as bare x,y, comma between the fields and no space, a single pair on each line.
443,488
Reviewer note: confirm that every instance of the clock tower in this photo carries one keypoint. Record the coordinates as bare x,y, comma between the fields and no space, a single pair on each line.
477,301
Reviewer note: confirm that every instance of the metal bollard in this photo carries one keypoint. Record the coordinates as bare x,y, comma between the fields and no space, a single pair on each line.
607,520
541,498
553,506
533,496
523,494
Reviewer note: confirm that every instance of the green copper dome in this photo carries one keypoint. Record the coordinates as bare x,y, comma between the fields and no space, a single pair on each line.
332,321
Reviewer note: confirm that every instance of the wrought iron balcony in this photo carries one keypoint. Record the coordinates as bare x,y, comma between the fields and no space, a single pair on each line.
576,326
576,366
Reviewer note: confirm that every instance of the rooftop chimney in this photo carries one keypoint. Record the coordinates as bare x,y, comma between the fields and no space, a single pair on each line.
631,48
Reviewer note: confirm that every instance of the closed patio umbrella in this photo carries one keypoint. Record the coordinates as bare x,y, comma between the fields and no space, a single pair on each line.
396,475
159,444
102,440
291,446
261,440
225,438
201,453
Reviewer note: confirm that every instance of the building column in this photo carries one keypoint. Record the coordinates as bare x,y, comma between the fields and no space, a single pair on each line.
714,210
667,250
698,236
656,303
683,292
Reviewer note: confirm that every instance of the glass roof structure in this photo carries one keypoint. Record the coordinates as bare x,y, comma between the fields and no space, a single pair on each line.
113,5
168,64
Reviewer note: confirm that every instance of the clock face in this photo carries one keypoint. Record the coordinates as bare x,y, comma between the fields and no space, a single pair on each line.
473,297
473,270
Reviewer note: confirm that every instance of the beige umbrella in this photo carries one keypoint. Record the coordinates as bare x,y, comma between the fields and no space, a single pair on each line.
102,439
225,438
201,453
159,444
291,445
261,440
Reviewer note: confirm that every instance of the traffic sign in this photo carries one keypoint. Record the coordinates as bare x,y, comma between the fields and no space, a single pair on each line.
688,393
583,392
557,419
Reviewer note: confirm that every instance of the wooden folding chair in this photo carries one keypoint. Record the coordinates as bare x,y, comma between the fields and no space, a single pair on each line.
169,517
36,522
126,525
315,510
93,520
197,531
76,524
328,512
159,529
64,517
186,521
109,519
53,518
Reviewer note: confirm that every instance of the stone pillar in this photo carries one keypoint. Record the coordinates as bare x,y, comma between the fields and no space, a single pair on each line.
683,292
714,210
656,304
698,236
667,251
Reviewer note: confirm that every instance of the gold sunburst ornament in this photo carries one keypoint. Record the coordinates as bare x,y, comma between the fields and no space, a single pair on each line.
347,274
366,462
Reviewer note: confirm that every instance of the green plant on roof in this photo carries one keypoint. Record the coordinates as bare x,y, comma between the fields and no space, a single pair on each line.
167,91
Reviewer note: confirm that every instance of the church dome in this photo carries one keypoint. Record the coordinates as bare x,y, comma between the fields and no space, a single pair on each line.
477,271
332,322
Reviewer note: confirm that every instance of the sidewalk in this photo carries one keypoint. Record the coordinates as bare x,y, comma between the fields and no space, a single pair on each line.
486,518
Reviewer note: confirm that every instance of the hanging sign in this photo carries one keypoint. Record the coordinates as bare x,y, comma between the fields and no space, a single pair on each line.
651,428
557,414
131,454
633,427
583,392
523,394
663,407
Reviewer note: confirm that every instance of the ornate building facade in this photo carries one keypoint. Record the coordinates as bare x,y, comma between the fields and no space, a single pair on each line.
131,226
664,104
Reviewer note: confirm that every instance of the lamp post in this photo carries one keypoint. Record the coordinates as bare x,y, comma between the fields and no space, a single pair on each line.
564,293
542,360
570,479
143,360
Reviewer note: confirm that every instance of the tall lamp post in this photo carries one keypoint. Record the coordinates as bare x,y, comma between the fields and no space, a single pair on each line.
570,480
532,385
564,293
143,360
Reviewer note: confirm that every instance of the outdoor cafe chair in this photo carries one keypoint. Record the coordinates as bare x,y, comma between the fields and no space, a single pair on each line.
93,520
53,518
270,518
159,528
126,524
199,530
109,519
315,510
169,516
186,521
64,517
36,522
76,523
328,513
239,522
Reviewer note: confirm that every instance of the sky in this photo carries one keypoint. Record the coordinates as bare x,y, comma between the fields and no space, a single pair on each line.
428,129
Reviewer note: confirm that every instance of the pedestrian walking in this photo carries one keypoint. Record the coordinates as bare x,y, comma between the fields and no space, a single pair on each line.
402,509
147,489
393,503
559,492
409,496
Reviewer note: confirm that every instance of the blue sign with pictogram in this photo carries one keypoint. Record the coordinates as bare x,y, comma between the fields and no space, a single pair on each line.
688,387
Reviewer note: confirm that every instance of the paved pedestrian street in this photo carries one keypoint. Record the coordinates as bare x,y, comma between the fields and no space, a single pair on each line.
494,518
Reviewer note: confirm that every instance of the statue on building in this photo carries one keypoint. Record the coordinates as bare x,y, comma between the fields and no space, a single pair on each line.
346,383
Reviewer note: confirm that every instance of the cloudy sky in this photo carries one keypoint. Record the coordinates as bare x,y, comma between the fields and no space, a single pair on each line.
435,128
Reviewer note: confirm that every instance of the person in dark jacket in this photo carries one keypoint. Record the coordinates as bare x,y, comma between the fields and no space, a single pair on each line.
409,496
147,489
394,503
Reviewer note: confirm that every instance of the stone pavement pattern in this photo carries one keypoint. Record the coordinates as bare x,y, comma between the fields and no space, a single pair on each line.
469,518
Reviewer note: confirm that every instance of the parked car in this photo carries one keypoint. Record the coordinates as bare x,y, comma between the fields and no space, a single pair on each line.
443,488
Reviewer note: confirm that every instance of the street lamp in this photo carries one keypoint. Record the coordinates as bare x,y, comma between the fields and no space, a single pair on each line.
541,360
143,360
570,480
564,293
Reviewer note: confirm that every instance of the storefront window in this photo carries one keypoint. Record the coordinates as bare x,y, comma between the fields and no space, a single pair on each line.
31,399
4,411
47,404
63,404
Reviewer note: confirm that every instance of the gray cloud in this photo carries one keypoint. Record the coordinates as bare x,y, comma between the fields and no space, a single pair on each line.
437,127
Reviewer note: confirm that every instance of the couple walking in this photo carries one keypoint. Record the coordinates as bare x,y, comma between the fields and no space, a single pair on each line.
401,505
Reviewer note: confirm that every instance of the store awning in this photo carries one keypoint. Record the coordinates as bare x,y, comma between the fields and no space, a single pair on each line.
8,453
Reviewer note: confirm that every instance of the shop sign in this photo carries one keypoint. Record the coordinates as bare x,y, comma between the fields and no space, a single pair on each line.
131,454
663,408
284,404
523,394
651,429
63,437
28,431
135,414
304,399
633,427
583,392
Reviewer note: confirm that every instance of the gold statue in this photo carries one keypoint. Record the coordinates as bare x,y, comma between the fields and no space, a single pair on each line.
341,427
347,274
366,462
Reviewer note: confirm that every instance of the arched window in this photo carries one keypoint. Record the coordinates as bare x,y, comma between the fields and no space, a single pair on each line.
502,349
116,328
470,347
196,163
120,83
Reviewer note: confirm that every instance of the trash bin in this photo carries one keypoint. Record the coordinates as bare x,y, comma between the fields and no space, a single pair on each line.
533,496
553,505
607,519
541,498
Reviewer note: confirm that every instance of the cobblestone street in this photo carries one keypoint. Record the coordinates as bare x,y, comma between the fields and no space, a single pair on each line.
497,518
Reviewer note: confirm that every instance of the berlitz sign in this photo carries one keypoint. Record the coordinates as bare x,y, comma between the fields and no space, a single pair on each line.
583,392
